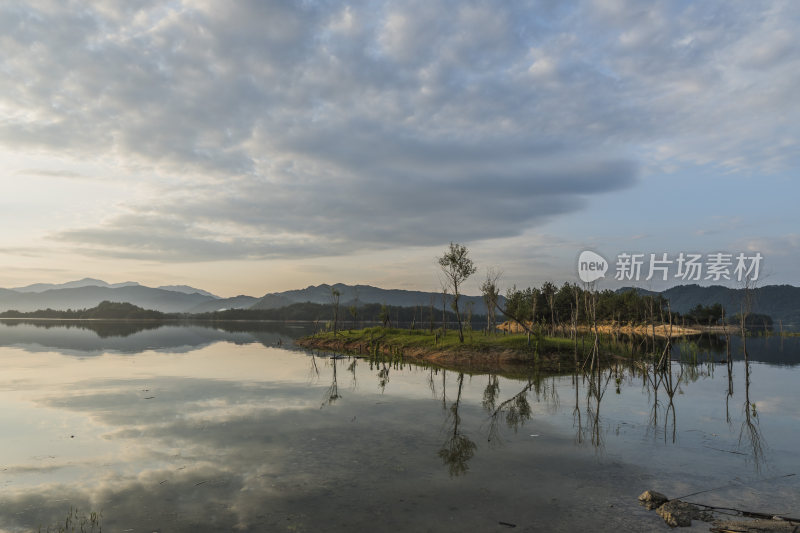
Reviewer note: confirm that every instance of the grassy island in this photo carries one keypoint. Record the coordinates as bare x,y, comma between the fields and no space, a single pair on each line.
478,352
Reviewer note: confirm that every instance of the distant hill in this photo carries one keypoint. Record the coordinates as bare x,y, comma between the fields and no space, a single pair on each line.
321,294
219,304
186,290
85,282
87,297
781,302
89,292
105,310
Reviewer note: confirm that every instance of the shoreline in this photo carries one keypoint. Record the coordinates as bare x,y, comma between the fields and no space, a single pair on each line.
505,362
661,331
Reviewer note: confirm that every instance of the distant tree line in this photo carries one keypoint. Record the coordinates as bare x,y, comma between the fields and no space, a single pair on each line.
548,305
552,306
105,309
715,314
421,316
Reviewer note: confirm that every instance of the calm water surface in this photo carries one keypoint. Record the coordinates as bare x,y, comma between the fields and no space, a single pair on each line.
192,428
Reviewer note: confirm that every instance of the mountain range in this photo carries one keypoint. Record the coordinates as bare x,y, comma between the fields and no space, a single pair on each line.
781,302
92,282
89,292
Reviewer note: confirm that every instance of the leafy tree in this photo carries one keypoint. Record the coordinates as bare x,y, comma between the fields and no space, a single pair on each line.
457,268
702,314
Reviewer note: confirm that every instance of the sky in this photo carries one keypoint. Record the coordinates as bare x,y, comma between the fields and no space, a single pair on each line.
256,146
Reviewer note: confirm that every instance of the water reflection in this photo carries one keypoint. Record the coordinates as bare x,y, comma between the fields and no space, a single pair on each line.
94,337
104,329
514,411
233,435
457,449
750,432
332,392
598,381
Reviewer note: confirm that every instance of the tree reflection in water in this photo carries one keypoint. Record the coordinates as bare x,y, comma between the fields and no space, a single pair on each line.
490,393
352,369
658,375
577,420
313,370
596,388
750,431
458,449
662,379
332,392
514,411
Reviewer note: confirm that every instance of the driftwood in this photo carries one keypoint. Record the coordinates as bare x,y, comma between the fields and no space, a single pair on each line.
753,514
755,526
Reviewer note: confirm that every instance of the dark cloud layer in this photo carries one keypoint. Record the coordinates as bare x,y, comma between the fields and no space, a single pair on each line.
312,128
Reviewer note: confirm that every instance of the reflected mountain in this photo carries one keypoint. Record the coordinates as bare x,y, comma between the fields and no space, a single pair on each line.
95,337
774,350
102,328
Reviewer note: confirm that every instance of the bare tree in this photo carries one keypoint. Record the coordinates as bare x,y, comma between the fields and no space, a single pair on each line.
335,294
354,309
468,321
430,315
444,309
744,310
549,290
534,299
384,316
491,293
457,267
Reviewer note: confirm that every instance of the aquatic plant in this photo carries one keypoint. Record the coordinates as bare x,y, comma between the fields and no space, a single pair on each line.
77,521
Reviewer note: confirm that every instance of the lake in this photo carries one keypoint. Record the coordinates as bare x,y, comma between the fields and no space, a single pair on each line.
230,428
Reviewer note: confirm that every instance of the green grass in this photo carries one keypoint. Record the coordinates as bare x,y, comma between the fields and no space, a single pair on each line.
473,341
517,358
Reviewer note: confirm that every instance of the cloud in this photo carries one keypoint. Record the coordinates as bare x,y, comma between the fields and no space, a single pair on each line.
59,174
24,251
206,454
292,129
455,200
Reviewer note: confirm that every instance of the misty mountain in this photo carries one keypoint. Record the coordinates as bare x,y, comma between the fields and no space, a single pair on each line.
781,302
237,302
85,282
186,290
91,296
88,292
366,294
